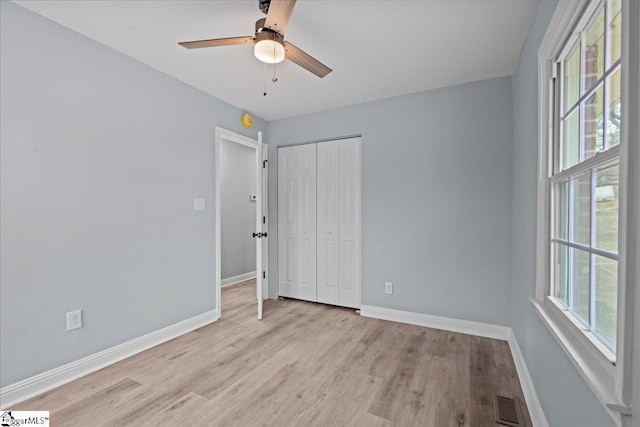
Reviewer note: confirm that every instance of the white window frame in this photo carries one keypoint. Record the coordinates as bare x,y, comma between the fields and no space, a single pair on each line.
609,376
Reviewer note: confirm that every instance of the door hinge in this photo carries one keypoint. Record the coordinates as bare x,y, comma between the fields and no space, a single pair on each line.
264,163
264,274
264,219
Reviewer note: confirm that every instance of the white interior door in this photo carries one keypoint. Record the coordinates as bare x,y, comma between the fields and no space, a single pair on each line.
328,222
350,222
259,234
265,221
297,222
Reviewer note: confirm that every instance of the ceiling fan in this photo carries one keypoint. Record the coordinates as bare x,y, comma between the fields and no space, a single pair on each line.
270,46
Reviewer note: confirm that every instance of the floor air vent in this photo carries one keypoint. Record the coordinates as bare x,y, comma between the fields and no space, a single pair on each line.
507,411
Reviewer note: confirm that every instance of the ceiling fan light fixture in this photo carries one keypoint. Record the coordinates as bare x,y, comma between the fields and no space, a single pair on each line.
269,51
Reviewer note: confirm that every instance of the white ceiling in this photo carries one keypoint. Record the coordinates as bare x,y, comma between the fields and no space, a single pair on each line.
377,49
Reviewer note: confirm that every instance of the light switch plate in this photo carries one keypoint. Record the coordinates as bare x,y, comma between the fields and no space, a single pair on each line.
199,204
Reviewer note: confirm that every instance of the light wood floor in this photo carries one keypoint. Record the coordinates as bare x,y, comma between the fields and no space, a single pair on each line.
305,364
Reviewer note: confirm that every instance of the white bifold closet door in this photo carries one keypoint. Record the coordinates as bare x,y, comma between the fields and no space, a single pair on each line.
297,222
319,222
338,218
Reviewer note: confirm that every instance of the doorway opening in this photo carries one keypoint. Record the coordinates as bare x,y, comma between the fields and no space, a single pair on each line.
240,218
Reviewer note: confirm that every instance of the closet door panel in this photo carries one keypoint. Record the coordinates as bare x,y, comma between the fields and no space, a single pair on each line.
297,226
328,222
349,222
286,221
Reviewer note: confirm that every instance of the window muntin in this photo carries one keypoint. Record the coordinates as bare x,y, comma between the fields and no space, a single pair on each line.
585,175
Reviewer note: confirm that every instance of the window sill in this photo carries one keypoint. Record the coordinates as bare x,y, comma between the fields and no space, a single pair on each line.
606,353
592,364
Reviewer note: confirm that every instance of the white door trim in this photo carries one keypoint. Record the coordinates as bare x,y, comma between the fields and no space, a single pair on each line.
226,135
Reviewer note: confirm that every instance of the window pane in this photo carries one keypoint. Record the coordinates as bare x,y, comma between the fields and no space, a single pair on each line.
571,139
615,108
581,290
615,31
592,125
580,200
562,273
562,209
606,212
606,299
593,54
572,78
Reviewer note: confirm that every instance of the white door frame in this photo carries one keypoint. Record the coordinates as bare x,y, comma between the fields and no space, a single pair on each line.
226,135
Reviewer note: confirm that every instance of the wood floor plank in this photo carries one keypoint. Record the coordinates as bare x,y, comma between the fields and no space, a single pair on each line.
394,388
145,402
454,406
304,364
85,411
343,403
423,388
483,381
189,409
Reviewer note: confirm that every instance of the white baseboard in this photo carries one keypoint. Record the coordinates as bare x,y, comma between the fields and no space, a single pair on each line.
38,384
487,330
239,278
530,396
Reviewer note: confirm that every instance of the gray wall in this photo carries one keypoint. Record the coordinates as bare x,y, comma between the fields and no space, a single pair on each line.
238,214
436,197
565,397
101,157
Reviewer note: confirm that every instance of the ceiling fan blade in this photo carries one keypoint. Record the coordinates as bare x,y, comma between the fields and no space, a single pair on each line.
305,60
279,14
217,42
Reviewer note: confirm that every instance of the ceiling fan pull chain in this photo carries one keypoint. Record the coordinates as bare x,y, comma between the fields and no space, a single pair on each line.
264,80
274,79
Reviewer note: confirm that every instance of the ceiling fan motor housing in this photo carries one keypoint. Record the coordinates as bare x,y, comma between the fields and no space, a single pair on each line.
260,25
267,34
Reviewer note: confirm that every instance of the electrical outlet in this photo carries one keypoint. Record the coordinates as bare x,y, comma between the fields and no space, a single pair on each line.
199,204
388,287
74,320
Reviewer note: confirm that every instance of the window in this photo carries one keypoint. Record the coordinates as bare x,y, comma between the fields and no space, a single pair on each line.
584,179
588,84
